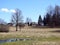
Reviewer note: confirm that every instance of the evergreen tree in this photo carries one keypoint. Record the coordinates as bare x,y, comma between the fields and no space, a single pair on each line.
52,17
47,20
44,21
40,20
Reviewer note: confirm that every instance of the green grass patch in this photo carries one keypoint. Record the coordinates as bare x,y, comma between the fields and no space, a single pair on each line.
49,39
19,43
27,42
34,38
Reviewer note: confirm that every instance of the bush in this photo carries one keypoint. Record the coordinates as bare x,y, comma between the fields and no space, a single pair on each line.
21,25
4,28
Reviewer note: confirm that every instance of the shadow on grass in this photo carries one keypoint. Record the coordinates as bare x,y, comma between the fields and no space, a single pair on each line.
56,31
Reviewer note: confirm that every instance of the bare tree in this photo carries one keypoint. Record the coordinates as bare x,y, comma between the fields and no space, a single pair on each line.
2,21
17,18
28,21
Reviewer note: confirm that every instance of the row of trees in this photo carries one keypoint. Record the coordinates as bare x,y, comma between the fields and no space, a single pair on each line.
52,17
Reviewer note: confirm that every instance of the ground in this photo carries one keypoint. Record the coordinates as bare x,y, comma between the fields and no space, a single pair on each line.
40,36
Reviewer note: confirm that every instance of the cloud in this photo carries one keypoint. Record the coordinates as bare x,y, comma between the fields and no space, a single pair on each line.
4,10
12,10
7,10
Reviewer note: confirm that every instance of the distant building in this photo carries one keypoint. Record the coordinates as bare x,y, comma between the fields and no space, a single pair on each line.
33,24
10,24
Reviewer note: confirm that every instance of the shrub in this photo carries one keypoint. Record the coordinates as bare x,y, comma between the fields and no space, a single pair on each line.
4,28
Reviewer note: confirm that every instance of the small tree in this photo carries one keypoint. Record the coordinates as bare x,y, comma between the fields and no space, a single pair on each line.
44,21
17,18
28,21
40,20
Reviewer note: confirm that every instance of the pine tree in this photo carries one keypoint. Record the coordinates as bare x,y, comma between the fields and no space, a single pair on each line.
40,20
44,21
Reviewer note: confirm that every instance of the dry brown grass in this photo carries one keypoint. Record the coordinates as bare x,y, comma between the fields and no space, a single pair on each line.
28,31
37,32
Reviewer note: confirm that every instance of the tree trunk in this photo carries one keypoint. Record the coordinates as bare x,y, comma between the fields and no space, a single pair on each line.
16,28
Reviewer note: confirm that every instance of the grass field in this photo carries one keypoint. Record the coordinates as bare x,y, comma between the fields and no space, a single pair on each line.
39,36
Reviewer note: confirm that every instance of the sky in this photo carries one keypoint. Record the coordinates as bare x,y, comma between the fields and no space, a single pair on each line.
30,8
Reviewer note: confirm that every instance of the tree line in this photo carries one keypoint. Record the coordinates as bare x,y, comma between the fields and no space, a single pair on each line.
52,17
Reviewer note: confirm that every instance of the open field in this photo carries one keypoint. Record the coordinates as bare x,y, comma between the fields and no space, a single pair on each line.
40,36
45,32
